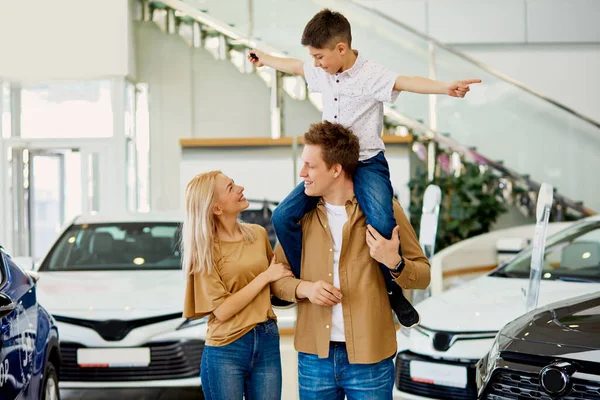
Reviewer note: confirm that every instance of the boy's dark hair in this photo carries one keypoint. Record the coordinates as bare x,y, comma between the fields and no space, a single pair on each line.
338,145
326,29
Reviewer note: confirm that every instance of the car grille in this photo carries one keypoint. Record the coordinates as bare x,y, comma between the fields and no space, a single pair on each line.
168,360
522,386
116,329
405,384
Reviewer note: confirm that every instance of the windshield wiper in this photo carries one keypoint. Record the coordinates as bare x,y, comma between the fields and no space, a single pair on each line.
504,274
573,279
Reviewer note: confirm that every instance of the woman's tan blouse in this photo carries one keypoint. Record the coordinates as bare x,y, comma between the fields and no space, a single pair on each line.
238,263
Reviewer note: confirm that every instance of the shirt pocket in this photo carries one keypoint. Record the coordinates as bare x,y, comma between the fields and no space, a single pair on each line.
351,92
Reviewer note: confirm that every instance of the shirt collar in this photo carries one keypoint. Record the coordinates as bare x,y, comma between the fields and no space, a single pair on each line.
352,201
357,65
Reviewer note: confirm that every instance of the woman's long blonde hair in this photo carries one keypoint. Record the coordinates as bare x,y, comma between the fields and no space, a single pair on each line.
200,225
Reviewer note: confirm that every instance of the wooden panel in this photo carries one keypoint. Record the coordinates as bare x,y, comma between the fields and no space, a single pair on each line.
236,142
467,271
286,331
391,139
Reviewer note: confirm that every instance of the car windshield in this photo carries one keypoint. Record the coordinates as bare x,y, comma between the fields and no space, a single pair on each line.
571,255
116,246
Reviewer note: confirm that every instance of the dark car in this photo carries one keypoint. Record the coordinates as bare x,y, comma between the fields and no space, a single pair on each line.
29,348
552,352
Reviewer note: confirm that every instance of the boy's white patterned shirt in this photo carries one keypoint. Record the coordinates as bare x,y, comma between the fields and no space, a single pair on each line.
354,98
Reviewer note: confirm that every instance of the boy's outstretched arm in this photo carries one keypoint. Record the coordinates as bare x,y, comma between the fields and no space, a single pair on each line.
287,65
419,84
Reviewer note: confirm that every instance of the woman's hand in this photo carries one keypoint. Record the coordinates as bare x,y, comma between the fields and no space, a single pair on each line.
276,271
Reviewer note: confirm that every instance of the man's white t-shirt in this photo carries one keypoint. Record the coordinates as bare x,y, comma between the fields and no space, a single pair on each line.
337,218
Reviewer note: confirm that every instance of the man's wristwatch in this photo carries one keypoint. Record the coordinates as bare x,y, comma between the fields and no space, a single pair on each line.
399,267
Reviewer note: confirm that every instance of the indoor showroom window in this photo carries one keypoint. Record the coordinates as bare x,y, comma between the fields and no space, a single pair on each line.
67,110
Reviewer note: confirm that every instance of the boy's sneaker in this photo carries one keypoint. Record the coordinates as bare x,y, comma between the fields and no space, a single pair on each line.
406,313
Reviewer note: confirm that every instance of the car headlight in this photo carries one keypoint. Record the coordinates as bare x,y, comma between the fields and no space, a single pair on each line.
486,365
192,322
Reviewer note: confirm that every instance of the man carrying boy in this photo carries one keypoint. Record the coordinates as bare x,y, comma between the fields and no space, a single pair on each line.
345,334
354,90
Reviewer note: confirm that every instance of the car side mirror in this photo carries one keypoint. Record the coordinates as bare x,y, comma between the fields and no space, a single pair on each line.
6,305
35,276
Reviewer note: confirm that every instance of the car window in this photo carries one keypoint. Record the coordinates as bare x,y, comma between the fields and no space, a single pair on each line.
125,246
572,254
262,217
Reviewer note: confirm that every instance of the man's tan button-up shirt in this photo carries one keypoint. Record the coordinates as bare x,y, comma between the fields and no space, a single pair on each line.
368,321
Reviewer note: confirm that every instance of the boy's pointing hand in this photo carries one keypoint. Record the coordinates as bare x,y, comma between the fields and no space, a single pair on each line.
460,88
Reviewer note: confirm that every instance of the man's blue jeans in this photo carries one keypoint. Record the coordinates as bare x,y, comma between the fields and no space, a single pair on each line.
373,191
248,368
334,377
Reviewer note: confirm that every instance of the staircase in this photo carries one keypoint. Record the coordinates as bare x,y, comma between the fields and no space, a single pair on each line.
502,125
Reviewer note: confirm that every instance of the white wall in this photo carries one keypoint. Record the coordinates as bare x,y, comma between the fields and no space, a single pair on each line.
567,73
265,172
494,21
63,39
268,172
542,43
194,95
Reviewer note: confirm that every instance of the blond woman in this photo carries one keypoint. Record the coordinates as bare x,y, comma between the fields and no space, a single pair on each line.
229,266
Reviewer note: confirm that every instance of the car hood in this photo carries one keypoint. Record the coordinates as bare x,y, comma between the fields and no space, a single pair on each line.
112,294
573,323
488,303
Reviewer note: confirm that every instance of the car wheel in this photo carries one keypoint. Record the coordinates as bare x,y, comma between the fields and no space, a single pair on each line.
50,387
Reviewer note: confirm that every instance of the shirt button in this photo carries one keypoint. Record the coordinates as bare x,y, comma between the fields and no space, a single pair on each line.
330,249
329,274
337,81
327,326
335,99
335,116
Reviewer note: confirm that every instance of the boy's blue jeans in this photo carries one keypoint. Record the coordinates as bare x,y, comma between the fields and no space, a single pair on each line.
334,378
373,191
248,368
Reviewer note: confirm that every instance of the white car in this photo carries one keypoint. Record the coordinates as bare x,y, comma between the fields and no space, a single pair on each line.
436,360
115,287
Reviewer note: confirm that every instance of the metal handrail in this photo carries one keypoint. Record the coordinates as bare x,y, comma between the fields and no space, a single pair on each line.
226,30
453,145
478,64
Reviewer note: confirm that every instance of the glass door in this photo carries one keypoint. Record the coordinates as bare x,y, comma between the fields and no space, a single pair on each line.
49,186
45,196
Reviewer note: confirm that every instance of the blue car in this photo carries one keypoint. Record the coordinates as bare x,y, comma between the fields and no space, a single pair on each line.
29,348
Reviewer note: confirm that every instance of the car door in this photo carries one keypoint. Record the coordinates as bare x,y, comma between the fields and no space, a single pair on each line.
18,322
